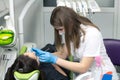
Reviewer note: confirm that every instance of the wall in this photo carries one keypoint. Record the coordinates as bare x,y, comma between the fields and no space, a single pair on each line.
3,11
118,20
32,21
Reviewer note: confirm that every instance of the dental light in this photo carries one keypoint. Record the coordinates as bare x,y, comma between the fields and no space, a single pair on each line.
34,75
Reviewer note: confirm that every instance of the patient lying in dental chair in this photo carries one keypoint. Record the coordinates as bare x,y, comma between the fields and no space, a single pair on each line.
26,65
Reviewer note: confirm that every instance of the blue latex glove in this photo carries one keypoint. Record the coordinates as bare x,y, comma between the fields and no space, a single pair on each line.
45,56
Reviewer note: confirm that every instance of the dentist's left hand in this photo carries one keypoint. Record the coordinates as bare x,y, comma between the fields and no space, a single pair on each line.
45,56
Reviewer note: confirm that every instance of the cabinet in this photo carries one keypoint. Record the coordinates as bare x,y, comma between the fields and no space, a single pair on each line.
106,20
106,3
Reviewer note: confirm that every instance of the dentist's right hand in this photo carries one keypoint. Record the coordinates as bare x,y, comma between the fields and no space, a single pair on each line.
45,56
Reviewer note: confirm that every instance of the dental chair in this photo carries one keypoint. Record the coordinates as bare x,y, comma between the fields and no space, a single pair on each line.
113,49
34,75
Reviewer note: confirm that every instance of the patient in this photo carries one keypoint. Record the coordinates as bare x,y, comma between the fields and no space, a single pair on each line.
28,62
24,64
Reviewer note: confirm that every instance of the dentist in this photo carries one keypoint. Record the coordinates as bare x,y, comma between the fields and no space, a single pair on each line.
83,40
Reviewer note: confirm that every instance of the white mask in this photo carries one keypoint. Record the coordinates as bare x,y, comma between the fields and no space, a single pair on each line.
62,34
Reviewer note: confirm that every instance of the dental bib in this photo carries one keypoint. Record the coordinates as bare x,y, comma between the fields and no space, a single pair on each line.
34,75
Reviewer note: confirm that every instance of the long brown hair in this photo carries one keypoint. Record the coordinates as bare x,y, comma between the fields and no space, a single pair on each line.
70,20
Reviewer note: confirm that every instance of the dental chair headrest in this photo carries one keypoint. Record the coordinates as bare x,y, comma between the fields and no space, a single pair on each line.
34,75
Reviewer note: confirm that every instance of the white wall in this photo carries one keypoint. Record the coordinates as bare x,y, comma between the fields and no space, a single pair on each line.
118,20
48,29
3,11
32,21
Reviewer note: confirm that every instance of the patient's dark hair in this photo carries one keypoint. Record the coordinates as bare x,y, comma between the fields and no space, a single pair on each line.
23,64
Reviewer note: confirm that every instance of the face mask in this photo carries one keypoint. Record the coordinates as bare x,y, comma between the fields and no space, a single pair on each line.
62,34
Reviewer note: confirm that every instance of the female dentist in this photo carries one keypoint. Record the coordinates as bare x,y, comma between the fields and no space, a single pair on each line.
83,40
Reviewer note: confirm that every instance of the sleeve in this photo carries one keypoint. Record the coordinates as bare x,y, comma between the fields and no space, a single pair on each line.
92,43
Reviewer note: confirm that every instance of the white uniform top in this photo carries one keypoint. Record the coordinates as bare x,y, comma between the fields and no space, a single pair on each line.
93,46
